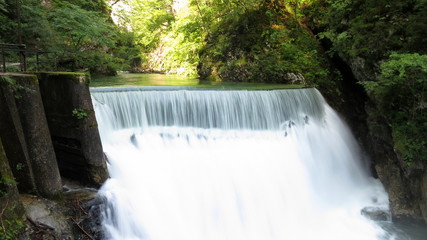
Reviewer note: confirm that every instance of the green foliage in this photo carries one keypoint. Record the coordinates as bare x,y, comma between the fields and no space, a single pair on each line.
416,28
2,5
16,88
79,32
7,26
79,113
80,28
5,184
36,30
224,38
161,35
401,92
20,166
3,17
10,225
150,19
89,5
389,37
371,29
81,38
263,42
168,36
10,229
127,53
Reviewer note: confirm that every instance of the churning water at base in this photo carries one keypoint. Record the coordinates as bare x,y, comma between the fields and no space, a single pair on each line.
233,165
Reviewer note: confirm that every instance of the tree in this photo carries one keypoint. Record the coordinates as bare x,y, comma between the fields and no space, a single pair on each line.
83,37
3,19
401,92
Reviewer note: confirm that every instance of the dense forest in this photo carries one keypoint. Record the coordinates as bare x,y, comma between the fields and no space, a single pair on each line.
273,41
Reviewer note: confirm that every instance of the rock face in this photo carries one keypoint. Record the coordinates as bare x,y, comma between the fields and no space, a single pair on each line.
406,185
403,188
77,217
375,214
93,220
424,197
86,208
47,217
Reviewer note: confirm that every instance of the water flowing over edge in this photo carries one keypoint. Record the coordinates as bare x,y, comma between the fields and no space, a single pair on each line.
212,109
290,164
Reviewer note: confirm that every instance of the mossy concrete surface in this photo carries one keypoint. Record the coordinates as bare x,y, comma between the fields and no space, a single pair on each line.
37,136
49,126
29,106
11,208
14,142
72,123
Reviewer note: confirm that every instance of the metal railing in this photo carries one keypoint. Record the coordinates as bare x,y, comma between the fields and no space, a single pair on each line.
18,56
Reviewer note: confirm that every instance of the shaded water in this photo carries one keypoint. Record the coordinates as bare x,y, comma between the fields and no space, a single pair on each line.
144,79
237,165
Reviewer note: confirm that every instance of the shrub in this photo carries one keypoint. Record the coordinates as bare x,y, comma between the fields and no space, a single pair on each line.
401,94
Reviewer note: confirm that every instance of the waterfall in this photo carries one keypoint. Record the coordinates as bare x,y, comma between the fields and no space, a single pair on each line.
232,165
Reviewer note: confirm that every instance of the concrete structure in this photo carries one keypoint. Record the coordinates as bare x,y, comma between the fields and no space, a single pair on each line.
14,140
10,206
72,123
49,138
28,104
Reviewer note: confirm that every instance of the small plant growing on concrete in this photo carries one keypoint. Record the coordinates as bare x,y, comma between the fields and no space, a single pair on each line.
79,113
20,166
16,87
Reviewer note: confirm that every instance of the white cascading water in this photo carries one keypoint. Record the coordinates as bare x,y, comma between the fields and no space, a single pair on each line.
232,165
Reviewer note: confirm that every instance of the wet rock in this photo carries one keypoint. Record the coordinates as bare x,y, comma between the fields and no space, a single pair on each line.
402,182
86,207
423,203
375,214
362,70
93,221
134,141
405,184
75,217
295,78
47,219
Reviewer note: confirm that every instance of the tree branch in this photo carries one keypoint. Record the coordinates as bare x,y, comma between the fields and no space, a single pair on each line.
115,2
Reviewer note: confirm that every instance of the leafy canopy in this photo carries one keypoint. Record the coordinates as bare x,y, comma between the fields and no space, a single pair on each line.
401,92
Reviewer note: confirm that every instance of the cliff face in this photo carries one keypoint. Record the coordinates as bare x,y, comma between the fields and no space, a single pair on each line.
379,48
405,183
